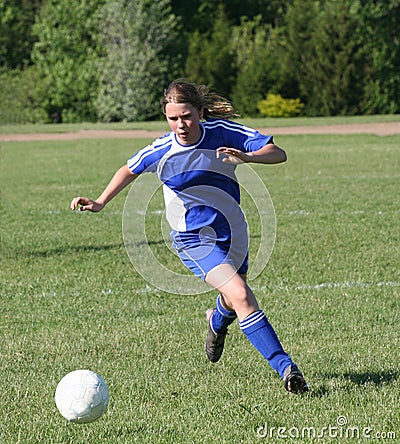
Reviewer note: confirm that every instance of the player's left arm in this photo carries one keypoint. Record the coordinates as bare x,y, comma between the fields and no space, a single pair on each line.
269,153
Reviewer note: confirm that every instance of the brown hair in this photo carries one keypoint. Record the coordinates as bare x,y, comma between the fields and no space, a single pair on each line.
214,105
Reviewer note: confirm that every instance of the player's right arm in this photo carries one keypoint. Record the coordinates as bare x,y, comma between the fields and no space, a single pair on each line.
122,178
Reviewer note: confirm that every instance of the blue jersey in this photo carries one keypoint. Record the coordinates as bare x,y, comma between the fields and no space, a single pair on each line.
200,189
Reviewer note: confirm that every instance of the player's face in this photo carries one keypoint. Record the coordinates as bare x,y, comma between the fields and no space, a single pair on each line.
184,121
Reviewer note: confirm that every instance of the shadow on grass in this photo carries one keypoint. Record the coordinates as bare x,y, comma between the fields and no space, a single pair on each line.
73,249
359,379
376,378
68,249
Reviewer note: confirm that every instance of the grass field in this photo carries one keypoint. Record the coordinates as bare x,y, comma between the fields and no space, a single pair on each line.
71,299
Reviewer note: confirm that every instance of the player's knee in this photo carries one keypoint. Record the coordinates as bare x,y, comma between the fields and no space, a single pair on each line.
241,297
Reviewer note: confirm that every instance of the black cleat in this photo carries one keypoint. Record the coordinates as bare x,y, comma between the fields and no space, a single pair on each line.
214,342
294,380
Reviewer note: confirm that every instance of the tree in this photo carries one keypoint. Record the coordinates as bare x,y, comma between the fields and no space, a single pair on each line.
139,59
20,96
111,59
341,56
65,54
210,59
255,72
200,14
293,48
336,70
379,36
322,61
16,38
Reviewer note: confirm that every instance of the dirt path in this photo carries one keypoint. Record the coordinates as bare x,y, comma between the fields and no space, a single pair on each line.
379,129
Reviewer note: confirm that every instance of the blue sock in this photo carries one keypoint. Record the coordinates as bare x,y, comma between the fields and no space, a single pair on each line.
222,318
261,334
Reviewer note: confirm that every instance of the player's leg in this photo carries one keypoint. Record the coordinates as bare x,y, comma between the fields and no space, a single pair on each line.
218,319
237,297
223,315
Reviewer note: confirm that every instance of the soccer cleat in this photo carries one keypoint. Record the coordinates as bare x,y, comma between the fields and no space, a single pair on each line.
294,380
215,342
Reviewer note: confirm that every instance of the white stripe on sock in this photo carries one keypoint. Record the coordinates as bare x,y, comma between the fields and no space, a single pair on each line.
229,314
251,320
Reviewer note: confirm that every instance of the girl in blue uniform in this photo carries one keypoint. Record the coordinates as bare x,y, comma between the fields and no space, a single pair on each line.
196,163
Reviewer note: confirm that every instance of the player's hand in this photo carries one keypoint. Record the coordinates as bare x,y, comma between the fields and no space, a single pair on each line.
85,204
232,155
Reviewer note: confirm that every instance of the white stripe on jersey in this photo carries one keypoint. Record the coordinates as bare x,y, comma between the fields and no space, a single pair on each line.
230,125
157,145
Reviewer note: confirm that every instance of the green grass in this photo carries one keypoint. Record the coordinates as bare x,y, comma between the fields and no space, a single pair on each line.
71,299
162,125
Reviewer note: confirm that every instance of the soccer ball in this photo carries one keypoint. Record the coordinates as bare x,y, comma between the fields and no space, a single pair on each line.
82,396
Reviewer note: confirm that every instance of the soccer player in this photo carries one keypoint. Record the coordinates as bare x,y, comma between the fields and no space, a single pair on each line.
196,163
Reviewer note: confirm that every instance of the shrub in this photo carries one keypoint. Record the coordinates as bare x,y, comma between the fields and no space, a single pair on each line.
276,106
21,95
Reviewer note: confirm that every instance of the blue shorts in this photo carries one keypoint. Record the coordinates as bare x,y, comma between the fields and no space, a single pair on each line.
202,250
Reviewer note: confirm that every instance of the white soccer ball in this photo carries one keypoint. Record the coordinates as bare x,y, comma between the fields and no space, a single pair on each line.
82,396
